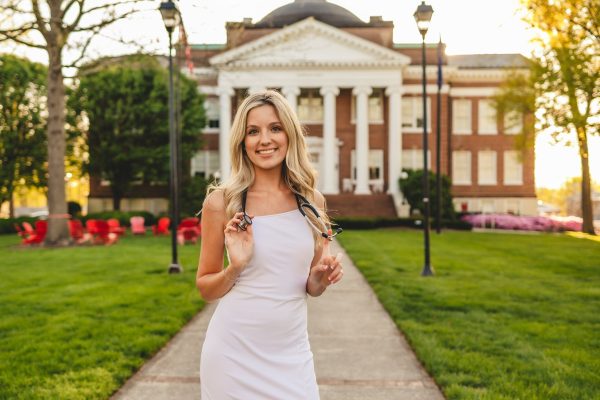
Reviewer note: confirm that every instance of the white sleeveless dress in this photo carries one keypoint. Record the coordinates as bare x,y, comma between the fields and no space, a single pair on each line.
256,344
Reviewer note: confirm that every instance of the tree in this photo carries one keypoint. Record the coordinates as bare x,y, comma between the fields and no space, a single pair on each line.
53,26
562,89
22,125
412,189
125,105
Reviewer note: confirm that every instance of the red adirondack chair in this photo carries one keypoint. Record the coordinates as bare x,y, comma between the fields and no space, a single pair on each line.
137,225
20,231
103,234
114,226
162,227
41,227
90,224
188,231
78,234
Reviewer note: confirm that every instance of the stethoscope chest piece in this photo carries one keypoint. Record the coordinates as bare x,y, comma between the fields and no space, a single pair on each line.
246,220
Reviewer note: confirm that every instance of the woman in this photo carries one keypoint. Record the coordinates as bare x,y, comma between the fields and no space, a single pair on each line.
256,345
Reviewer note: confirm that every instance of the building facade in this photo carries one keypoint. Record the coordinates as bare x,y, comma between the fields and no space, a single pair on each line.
359,95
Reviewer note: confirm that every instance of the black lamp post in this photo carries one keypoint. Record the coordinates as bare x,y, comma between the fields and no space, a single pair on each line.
170,16
423,17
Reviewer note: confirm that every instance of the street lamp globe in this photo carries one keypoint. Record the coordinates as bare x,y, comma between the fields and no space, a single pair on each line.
423,17
170,14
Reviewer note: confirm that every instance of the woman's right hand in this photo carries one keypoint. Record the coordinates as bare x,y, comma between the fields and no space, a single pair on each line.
239,243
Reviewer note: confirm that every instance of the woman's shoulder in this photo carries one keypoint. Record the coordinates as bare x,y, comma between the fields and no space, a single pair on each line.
215,201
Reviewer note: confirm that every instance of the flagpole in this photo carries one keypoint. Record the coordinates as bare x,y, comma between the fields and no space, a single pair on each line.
438,176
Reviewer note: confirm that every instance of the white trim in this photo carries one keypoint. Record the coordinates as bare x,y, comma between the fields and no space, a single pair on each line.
473,91
431,89
210,90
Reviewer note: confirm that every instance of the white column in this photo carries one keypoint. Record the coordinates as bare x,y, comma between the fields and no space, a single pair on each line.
330,184
362,139
225,94
291,93
394,137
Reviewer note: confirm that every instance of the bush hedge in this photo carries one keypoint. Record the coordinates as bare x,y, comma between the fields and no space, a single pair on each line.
377,222
7,225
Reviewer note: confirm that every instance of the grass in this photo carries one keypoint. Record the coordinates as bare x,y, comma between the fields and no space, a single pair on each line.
506,316
77,322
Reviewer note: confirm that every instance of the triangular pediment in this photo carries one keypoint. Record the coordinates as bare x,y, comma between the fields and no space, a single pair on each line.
309,43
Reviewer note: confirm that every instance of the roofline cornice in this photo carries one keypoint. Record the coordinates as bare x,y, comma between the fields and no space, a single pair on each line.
230,56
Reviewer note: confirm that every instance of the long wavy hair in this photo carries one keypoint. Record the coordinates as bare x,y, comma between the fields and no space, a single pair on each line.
297,171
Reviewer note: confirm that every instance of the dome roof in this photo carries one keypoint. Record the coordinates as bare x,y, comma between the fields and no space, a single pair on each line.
321,10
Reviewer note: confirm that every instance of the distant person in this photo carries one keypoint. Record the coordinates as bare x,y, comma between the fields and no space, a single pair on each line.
271,221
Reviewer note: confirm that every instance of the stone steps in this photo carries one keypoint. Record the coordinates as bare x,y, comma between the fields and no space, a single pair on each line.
351,205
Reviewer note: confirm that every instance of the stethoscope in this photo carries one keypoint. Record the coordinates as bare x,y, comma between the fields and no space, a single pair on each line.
303,206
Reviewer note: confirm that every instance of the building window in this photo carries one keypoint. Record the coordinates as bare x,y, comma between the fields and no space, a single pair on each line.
461,167
205,163
211,104
513,123
486,167
513,168
375,105
412,113
461,117
310,106
487,118
375,165
413,159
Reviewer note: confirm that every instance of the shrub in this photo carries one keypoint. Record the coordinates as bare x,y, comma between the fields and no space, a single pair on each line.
7,225
381,222
412,188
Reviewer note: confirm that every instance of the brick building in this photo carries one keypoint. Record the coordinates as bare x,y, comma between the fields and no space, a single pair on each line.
359,96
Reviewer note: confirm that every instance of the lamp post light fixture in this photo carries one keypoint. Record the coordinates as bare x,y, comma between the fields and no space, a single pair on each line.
171,17
423,18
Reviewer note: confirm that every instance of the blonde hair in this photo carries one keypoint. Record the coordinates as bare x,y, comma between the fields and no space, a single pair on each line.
297,171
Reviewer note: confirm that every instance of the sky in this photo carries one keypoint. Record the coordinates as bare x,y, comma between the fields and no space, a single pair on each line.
466,26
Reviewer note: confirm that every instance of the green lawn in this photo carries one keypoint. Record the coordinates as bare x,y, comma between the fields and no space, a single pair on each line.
507,316
77,322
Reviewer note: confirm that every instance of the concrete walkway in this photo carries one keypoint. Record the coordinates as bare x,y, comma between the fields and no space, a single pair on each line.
359,353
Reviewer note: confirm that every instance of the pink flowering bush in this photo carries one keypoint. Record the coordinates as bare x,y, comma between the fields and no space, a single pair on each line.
524,223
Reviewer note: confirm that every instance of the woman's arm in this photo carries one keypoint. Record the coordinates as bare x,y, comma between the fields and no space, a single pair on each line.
212,280
325,270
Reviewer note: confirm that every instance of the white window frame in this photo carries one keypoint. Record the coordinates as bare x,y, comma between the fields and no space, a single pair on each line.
460,106
376,161
487,122
462,159
513,123
305,110
410,107
413,159
493,178
375,111
205,161
212,107
512,162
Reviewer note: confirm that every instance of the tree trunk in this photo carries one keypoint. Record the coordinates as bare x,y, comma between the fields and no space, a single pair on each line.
116,202
11,205
58,230
586,193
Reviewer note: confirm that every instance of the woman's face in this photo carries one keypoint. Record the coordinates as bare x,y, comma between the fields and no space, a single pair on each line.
266,142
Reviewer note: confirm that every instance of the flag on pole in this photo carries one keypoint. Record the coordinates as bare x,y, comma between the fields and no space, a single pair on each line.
439,64
187,47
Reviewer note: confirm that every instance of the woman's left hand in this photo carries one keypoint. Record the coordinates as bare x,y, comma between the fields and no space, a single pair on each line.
327,271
